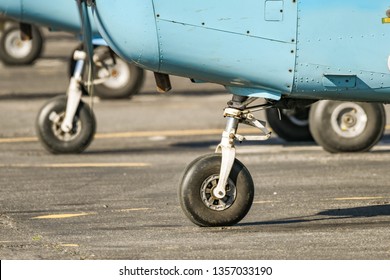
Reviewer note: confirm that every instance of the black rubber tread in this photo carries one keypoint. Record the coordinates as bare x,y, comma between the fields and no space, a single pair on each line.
189,194
286,129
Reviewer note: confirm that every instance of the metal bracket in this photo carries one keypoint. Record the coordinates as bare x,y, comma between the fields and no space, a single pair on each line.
249,119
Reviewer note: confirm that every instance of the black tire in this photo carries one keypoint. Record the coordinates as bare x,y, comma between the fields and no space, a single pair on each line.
50,134
347,126
293,125
202,174
126,80
14,51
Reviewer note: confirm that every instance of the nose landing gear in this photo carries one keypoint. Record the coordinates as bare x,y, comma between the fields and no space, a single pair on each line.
217,189
67,124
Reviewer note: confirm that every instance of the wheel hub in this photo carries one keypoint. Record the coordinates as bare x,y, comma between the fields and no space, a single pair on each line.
57,120
212,202
119,74
16,47
349,120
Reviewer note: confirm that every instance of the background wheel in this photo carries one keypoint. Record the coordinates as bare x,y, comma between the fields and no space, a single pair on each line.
347,126
196,199
14,51
293,125
125,79
49,131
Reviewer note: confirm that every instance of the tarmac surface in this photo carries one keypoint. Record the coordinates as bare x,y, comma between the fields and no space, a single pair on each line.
119,198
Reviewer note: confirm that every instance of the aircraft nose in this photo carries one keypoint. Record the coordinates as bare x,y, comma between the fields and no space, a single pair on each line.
129,27
11,8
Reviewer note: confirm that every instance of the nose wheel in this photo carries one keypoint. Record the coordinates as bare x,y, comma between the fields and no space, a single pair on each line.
196,192
217,189
66,124
57,140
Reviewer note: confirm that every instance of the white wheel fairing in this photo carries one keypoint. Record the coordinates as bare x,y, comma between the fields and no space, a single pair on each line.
16,47
349,120
118,74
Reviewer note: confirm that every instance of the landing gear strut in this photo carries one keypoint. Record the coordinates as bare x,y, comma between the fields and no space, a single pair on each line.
67,124
217,189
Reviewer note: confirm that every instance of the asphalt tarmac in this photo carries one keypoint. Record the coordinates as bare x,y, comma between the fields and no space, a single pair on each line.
119,198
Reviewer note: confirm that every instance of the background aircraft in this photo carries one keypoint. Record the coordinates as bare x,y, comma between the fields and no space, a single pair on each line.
113,77
292,124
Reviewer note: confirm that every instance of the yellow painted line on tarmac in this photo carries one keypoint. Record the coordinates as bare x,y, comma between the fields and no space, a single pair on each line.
359,198
80,165
18,140
140,134
114,164
63,216
264,202
132,209
189,132
69,245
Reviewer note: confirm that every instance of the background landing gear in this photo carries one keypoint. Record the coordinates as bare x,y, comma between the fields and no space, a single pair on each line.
337,126
347,126
118,79
15,51
291,125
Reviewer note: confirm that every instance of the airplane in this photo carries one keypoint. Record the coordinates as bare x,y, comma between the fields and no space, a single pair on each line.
289,124
328,54
113,77
124,80
345,128
272,51
15,50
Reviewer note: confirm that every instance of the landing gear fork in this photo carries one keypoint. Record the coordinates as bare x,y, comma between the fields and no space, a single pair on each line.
217,189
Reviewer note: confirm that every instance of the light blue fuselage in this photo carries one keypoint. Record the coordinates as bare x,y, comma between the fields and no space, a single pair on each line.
58,14
316,49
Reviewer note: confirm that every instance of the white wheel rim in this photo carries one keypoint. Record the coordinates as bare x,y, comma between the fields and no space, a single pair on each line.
349,120
212,202
119,74
56,122
16,47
